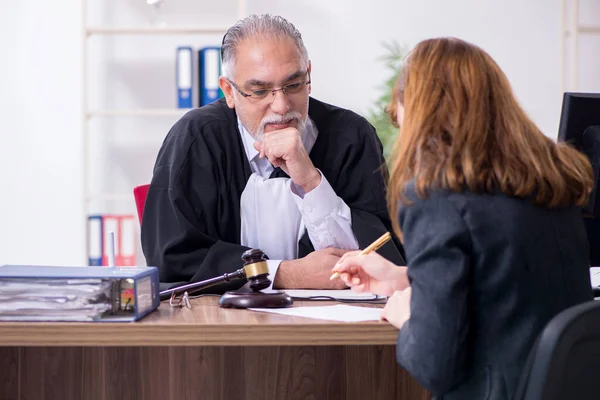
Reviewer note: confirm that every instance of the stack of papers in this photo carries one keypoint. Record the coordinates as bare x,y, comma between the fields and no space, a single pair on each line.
346,294
39,299
339,312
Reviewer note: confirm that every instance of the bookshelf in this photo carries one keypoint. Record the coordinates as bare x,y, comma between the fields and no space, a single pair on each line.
131,30
143,112
103,122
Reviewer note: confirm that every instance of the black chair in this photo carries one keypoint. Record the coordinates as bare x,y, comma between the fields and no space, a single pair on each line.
565,362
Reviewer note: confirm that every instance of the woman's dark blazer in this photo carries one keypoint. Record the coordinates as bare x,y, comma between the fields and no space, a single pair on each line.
487,272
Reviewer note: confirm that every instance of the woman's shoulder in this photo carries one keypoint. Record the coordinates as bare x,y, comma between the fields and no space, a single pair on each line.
460,198
494,207
461,203
412,193
427,200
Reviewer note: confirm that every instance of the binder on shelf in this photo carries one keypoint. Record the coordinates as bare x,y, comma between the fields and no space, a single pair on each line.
184,76
209,69
125,233
95,240
93,294
127,230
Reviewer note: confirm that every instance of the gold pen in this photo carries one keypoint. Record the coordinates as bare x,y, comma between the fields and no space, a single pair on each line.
372,247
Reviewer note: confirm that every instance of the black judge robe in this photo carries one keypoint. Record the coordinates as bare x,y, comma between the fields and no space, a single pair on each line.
191,222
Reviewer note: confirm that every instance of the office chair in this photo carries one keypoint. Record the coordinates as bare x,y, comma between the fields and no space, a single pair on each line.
565,361
139,194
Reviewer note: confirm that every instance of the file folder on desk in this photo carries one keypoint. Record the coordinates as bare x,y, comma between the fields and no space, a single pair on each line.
53,293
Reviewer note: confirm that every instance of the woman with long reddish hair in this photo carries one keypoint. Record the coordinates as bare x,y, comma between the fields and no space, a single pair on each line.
489,211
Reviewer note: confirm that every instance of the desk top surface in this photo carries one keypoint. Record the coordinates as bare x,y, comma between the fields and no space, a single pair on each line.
205,324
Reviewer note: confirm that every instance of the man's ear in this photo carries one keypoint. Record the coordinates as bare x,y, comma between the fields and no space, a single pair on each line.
227,91
309,69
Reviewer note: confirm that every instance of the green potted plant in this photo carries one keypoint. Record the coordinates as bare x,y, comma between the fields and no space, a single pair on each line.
377,116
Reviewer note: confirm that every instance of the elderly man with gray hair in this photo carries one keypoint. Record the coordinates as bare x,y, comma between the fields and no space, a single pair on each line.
266,167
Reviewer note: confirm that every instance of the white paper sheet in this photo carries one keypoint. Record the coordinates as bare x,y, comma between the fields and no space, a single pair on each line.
595,276
341,312
332,294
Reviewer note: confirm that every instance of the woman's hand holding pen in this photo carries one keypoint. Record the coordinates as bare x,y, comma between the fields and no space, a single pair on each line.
371,273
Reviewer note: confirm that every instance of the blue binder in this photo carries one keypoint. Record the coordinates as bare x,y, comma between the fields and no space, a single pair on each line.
184,77
95,240
94,294
209,67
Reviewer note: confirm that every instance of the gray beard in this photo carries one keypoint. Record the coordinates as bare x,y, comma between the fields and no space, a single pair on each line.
259,135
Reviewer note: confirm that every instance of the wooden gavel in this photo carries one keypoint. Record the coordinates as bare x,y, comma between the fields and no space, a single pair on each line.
255,270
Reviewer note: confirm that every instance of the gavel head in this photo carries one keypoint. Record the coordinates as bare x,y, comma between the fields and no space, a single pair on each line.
256,269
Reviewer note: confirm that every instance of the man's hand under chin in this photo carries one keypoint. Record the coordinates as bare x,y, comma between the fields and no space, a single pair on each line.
284,149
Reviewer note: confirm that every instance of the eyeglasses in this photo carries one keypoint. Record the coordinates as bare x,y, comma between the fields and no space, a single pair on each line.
261,94
181,301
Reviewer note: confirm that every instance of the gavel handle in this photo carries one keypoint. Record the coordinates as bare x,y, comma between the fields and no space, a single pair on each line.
196,286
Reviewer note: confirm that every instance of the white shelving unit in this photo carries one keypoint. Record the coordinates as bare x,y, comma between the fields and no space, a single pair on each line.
154,30
570,32
91,114
96,196
146,112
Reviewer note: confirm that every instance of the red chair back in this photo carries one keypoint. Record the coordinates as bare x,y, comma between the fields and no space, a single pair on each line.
140,193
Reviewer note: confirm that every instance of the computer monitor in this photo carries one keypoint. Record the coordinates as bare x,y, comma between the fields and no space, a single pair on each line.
579,112
580,126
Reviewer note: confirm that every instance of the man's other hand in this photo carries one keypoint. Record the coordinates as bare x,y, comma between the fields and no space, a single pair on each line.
310,272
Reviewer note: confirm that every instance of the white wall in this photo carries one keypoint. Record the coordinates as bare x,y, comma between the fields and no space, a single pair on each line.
521,35
41,205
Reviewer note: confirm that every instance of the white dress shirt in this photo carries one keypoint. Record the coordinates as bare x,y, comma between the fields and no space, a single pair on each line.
275,212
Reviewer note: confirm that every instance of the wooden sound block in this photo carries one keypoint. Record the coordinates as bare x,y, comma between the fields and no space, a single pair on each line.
242,299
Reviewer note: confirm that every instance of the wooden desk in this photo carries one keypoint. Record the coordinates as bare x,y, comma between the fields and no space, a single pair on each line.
203,353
